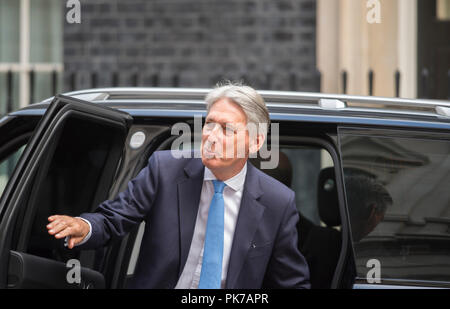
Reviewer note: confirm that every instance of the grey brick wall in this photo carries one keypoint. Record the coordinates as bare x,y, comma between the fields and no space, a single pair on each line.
267,41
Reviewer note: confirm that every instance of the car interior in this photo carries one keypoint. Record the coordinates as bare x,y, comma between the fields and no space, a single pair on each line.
322,260
319,220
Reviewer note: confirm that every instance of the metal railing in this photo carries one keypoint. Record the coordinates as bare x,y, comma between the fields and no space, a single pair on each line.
424,89
138,79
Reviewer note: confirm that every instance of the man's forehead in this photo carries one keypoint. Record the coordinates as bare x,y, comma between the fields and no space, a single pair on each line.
224,118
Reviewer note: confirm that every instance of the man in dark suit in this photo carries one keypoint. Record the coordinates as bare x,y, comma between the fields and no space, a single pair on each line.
211,222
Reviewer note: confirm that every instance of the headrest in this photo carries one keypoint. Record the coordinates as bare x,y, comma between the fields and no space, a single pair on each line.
283,171
327,198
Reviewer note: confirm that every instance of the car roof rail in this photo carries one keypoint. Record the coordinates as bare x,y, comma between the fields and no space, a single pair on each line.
273,98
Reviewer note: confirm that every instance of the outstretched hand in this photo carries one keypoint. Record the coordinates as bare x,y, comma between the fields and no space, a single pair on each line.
64,226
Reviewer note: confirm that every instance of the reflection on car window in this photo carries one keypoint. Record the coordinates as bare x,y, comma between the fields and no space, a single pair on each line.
7,166
399,205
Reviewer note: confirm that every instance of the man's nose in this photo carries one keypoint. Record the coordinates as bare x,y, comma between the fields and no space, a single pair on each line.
215,133
217,129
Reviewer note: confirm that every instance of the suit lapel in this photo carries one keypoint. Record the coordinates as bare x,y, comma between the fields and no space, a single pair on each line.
250,214
189,190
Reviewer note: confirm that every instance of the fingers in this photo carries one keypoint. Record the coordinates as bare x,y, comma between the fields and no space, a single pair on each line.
67,231
52,218
61,226
66,226
55,220
73,241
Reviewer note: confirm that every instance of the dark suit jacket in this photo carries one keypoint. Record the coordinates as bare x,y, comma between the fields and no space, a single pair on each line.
166,195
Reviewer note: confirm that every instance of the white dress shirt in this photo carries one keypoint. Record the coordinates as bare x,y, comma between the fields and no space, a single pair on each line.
232,195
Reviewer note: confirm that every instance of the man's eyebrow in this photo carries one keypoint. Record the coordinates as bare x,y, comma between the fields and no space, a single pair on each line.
214,120
222,123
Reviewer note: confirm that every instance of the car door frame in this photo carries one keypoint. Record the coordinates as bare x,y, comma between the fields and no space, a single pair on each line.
22,179
327,143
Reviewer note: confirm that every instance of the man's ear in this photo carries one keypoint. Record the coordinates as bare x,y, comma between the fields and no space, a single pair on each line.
256,143
375,215
374,219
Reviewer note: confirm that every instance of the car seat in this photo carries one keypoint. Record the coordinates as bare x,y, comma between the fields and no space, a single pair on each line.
321,245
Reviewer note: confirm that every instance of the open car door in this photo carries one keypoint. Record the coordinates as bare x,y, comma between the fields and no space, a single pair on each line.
67,168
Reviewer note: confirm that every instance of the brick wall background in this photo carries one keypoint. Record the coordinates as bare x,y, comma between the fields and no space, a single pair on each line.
269,43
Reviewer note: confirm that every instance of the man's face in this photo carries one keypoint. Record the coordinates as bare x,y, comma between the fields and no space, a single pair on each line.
225,140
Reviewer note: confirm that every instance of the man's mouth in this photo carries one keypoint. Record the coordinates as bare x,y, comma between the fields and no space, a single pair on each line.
208,153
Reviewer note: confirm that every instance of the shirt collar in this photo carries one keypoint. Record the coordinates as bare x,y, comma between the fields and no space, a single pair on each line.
236,182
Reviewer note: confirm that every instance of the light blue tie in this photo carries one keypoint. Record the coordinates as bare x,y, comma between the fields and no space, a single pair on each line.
211,274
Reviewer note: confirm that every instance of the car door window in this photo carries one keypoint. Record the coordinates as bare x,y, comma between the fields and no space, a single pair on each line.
7,167
398,200
15,132
68,184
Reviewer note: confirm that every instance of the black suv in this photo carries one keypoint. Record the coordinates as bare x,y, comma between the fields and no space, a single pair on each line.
371,177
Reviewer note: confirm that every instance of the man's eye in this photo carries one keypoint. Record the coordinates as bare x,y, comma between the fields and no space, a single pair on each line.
230,131
209,126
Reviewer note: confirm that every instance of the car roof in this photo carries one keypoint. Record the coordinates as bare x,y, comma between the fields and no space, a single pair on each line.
282,105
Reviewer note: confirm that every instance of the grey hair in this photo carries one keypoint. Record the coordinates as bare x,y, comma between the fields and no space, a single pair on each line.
251,102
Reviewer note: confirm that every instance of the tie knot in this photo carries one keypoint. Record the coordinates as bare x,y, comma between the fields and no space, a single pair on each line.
218,186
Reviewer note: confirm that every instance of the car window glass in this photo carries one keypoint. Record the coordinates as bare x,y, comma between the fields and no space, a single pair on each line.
7,166
399,205
69,178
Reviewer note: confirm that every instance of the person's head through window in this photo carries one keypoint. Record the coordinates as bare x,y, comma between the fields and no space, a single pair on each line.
368,201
